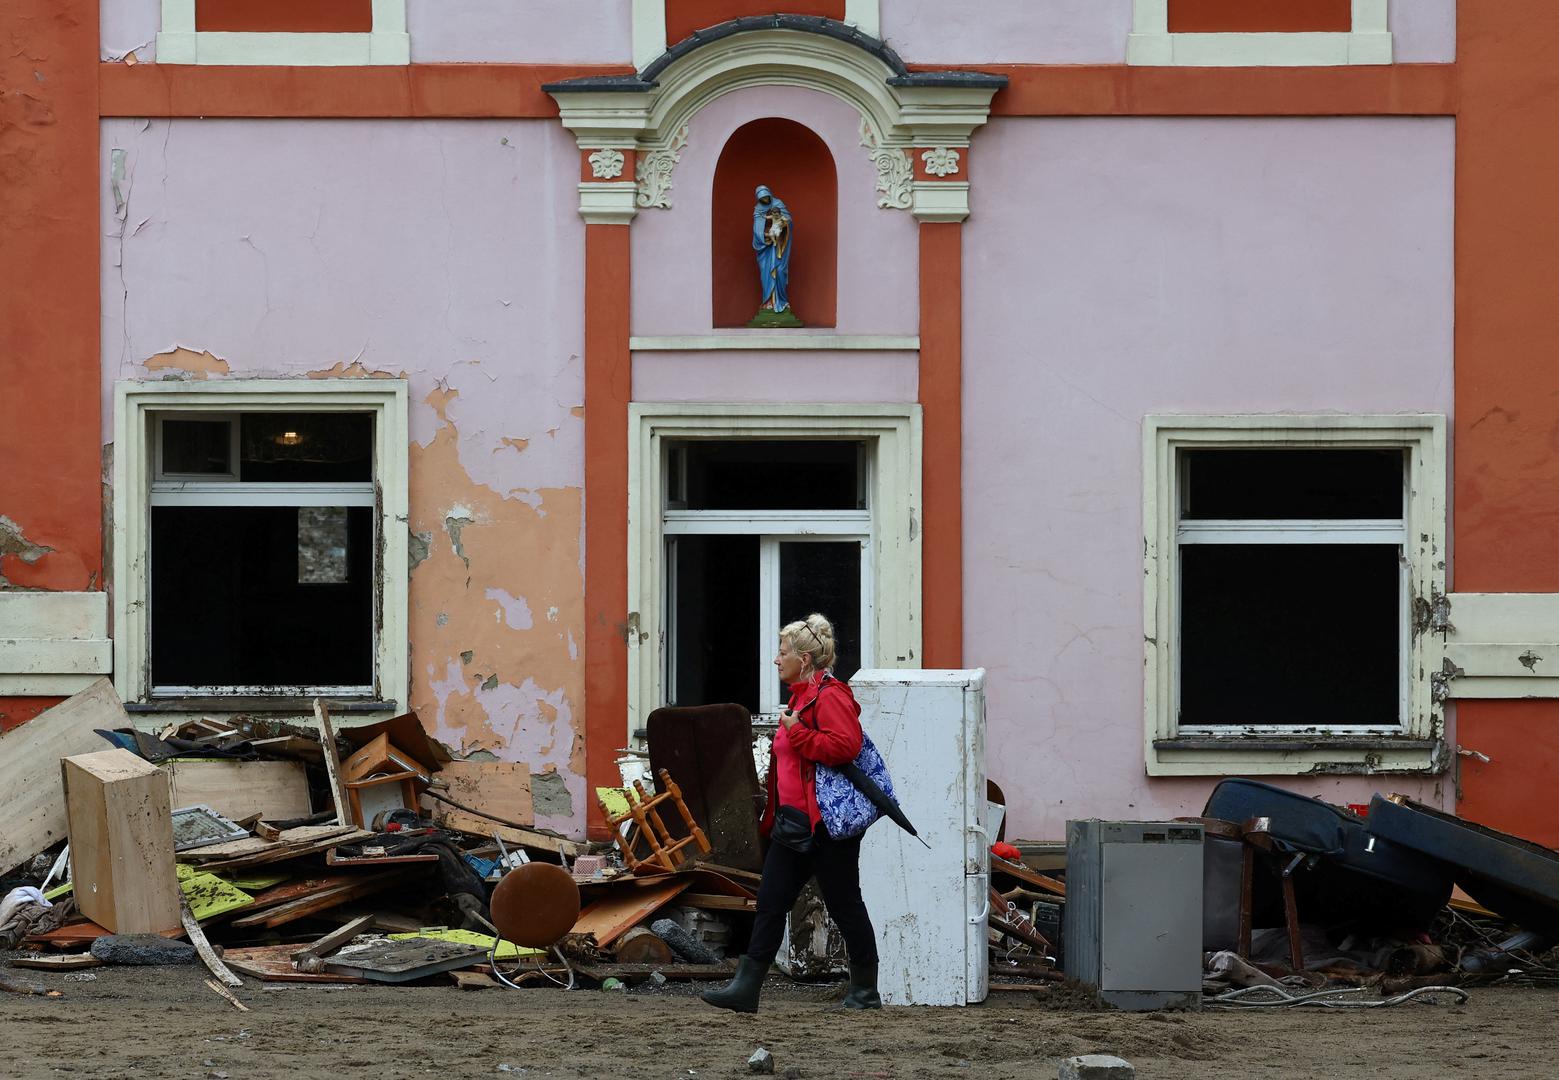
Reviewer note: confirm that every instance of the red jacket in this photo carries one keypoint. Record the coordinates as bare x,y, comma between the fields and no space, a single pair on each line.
828,733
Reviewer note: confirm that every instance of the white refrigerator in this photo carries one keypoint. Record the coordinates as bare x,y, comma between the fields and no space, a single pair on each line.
929,907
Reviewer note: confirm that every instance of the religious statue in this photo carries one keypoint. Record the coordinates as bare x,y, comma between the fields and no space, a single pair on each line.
771,239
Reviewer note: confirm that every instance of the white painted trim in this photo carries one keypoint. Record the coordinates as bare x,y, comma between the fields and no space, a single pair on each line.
768,341
46,685
1423,437
894,494
603,202
649,31
136,402
179,43
865,16
1151,43
1502,645
786,523
56,656
58,615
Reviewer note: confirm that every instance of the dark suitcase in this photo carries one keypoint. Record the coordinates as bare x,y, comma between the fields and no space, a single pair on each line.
1350,876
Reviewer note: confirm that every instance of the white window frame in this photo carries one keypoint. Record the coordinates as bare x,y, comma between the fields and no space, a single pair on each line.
138,406
1151,43
891,568
179,42
1414,745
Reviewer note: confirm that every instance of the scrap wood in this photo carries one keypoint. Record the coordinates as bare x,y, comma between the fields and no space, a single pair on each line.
1018,933
293,746
266,831
65,962
609,918
333,857
253,845
466,819
208,955
472,980
729,871
327,743
405,961
1024,874
359,886
273,963
78,935
716,902
30,768
282,850
311,957
219,988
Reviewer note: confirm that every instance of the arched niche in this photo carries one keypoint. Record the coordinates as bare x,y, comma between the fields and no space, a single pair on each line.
797,166
685,16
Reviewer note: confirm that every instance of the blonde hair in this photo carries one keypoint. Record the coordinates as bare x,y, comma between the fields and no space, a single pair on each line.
812,639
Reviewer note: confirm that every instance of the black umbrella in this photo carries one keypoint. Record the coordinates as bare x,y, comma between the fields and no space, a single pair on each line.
880,798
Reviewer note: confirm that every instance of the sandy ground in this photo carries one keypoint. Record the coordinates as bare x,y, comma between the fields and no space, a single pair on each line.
154,1023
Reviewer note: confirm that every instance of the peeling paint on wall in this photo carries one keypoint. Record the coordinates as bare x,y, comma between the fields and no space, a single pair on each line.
13,543
493,559
198,365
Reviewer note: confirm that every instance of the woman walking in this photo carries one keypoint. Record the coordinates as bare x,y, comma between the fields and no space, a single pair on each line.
820,725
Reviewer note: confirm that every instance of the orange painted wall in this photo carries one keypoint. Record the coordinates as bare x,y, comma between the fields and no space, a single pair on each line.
608,388
1259,16
294,16
941,399
797,166
1507,390
685,16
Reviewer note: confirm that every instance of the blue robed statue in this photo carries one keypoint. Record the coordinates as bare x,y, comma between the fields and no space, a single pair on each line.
771,239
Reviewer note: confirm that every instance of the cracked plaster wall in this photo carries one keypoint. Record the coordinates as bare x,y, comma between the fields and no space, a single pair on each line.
1169,266
448,253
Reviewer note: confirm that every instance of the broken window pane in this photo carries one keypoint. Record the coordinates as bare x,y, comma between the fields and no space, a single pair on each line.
322,541
308,447
714,620
228,608
196,447
1290,635
772,474
1282,483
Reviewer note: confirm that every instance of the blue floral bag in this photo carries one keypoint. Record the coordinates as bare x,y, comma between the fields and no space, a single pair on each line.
846,811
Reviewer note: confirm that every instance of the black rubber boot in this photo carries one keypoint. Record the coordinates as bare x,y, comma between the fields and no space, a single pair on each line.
863,988
741,993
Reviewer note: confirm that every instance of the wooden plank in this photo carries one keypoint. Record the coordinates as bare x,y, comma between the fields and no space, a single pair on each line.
331,942
121,842
332,858
472,980
232,849
302,908
611,917
295,746
68,962
30,774
276,790
220,989
327,743
273,963
1024,874
716,902
460,821
281,851
208,955
500,788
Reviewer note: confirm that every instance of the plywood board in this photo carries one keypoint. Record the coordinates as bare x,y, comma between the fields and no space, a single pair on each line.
121,842
500,788
273,963
30,774
276,790
610,918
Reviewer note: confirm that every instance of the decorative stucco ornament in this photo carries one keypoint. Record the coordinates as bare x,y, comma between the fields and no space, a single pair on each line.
894,175
654,173
941,161
606,164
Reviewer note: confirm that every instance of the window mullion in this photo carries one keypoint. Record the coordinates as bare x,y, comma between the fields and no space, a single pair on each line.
768,622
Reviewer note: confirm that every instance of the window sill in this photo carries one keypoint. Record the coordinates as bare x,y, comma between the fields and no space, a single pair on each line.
1205,755
285,705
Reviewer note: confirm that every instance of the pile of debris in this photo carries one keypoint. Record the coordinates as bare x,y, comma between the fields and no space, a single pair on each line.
360,855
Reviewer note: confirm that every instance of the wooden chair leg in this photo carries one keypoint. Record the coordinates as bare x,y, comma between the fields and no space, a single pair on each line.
1296,954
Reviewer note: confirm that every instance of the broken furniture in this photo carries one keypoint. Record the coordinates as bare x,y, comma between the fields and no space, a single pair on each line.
1348,876
276,790
121,842
1514,877
1134,912
708,748
646,827
534,906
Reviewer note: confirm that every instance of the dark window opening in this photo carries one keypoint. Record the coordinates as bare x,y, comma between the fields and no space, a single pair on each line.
714,620
826,578
770,474
262,596
1293,484
308,447
196,447
1290,635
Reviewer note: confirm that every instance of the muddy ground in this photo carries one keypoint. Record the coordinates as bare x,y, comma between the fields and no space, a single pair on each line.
155,1023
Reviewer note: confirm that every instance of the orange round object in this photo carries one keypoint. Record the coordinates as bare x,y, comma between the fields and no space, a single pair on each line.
535,905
